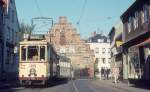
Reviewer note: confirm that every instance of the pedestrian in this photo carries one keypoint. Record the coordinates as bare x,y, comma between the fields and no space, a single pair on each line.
102,72
116,71
107,73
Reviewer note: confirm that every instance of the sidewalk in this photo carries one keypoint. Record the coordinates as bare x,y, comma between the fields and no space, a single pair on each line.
6,84
123,86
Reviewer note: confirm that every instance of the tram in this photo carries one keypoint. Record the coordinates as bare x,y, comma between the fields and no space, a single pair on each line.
38,62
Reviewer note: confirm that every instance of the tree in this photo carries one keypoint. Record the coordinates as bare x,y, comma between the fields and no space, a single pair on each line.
26,28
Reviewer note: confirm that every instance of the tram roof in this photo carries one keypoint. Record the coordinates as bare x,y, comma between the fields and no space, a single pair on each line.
35,42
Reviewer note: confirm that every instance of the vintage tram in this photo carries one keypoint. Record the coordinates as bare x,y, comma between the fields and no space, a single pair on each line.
38,62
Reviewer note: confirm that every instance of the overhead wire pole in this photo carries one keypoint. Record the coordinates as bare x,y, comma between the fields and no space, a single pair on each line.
41,14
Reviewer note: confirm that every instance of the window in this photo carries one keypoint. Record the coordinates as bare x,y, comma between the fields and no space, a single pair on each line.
100,40
103,60
33,53
96,50
142,17
23,53
8,59
11,1
16,36
13,16
103,50
8,33
9,13
145,13
13,39
129,24
42,53
135,21
109,50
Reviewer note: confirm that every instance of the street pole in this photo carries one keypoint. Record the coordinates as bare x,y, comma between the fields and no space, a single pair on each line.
50,31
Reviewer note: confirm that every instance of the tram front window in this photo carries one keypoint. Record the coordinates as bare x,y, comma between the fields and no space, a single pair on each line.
33,53
23,54
42,53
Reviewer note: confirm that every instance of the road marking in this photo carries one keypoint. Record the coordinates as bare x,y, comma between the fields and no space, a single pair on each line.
75,87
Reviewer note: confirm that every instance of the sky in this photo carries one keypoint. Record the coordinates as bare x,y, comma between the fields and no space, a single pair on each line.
85,15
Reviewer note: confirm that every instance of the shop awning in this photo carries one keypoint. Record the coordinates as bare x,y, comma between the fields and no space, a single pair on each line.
144,43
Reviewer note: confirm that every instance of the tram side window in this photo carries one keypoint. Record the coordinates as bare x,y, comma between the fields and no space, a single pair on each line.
23,55
42,53
33,53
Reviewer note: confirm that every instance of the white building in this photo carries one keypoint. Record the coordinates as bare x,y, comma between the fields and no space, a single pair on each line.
11,39
101,46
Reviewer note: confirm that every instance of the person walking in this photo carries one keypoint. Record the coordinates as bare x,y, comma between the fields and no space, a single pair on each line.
102,73
116,74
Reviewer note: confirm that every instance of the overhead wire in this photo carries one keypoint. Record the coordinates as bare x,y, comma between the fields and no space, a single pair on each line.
38,8
82,13
82,10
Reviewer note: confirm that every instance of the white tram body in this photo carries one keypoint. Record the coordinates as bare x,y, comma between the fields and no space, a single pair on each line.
38,62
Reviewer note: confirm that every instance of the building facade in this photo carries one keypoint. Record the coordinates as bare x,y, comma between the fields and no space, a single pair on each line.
101,46
115,36
67,41
2,3
136,35
11,30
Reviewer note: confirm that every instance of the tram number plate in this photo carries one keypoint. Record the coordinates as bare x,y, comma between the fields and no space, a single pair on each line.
33,65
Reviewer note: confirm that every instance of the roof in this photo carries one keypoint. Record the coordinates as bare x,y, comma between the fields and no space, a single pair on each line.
33,42
98,36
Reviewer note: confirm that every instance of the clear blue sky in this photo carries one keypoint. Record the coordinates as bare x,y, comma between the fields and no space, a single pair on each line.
94,17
